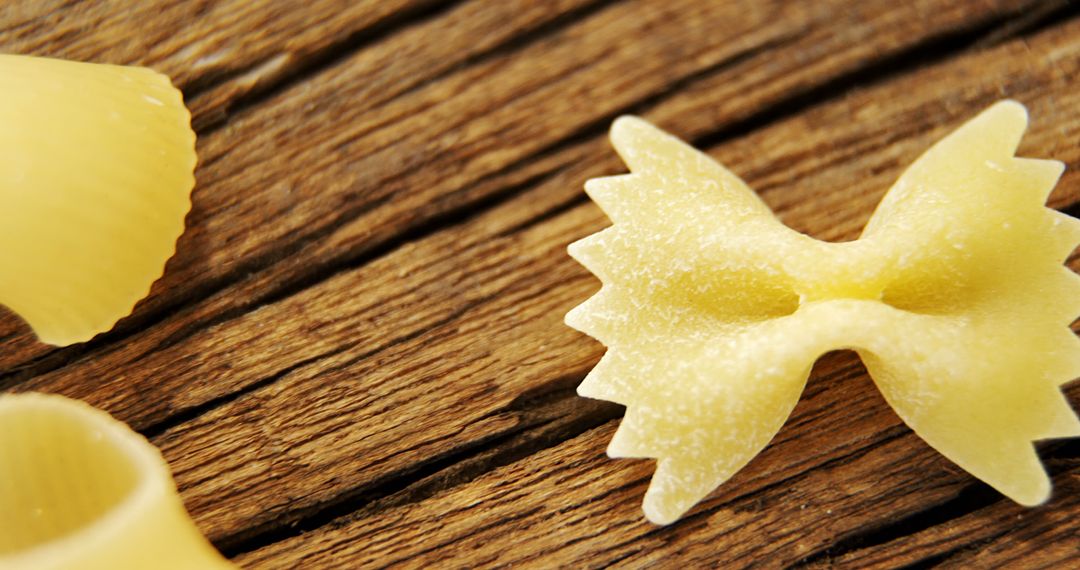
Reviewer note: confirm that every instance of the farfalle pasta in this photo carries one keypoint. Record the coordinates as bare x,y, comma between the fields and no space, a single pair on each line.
713,312
79,489
96,173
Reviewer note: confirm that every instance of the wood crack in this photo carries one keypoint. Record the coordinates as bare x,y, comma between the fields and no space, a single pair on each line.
968,500
182,416
546,417
517,42
934,49
1039,18
289,73
549,415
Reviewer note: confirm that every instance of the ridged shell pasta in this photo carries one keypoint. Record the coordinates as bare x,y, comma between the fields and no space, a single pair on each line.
79,489
96,172
713,311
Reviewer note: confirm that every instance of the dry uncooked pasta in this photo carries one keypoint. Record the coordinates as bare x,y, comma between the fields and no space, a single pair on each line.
96,172
713,311
79,489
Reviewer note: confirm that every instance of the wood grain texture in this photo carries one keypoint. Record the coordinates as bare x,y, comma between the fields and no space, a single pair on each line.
217,51
361,127
357,356
378,79
992,535
811,442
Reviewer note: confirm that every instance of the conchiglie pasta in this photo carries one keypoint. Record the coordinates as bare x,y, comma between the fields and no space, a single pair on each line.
79,489
96,171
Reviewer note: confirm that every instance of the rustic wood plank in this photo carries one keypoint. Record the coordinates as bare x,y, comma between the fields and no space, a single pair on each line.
262,228
221,50
313,404
1044,539
570,506
369,374
998,535
410,59
337,405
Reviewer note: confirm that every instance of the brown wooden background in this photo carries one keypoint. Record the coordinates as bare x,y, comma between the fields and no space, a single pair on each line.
357,357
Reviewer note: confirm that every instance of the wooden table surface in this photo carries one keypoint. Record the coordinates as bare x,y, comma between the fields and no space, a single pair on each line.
357,356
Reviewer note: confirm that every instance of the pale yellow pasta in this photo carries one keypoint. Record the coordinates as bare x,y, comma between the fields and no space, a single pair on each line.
713,311
96,172
79,489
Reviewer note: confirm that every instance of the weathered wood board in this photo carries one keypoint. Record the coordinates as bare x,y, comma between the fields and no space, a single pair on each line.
357,357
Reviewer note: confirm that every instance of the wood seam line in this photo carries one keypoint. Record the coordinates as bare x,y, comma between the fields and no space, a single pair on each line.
321,61
972,498
967,500
311,64
1035,19
933,50
984,497
443,474
940,558
980,498
539,428
593,415
925,52
189,414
